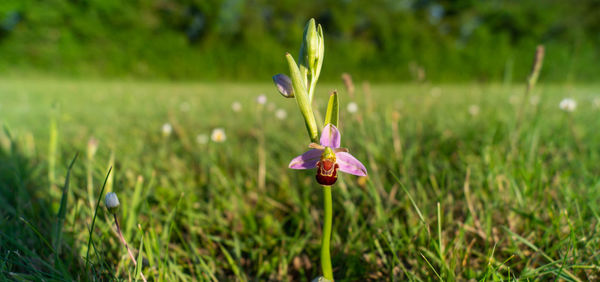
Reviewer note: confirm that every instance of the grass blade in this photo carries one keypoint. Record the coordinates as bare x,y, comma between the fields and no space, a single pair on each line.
87,255
62,212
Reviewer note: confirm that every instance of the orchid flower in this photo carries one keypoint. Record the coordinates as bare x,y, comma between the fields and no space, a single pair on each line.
328,157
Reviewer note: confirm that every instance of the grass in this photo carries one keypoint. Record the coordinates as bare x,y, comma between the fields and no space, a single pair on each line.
450,195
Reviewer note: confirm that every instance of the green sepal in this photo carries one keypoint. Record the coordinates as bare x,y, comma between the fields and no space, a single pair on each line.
301,95
333,109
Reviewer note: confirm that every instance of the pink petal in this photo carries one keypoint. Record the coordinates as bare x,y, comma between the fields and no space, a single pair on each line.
349,164
307,160
330,137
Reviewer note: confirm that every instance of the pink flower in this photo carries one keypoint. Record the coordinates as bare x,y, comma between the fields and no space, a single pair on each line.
328,157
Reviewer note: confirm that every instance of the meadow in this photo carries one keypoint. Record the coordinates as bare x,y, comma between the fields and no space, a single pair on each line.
467,181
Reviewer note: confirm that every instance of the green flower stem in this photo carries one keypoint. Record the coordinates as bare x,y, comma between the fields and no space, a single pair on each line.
325,255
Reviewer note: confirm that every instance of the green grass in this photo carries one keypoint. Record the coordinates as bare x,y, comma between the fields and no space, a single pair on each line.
449,196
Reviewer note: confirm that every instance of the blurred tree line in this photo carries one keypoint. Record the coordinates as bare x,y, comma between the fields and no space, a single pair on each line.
380,40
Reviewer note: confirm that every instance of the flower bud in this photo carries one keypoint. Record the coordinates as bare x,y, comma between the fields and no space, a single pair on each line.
284,85
112,202
311,43
312,50
320,52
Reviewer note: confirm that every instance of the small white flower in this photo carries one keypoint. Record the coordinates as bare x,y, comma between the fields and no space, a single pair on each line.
202,139
167,129
218,135
184,107
352,107
568,105
112,202
474,110
534,100
261,99
281,114
236,106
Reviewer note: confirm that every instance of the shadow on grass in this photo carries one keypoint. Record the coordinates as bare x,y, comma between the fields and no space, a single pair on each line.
33,244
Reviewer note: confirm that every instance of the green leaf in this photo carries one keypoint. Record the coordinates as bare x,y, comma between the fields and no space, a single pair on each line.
333,109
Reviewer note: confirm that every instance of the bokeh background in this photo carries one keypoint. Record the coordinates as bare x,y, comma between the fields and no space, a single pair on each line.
381,40
470,175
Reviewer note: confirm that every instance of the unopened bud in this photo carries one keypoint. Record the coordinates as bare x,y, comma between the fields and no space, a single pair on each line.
284,85
312,50
112,202
311,43
320,52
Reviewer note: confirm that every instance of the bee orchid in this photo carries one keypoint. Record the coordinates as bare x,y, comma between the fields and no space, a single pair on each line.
328,158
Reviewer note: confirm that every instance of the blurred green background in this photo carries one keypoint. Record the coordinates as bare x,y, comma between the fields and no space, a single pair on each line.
223,40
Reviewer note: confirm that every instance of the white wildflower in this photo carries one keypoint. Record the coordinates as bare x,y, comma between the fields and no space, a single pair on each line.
281,114
218,135
568,105
261,99
167,129
236,106
352,107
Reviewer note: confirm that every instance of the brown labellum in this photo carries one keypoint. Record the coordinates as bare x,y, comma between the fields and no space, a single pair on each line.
327,172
